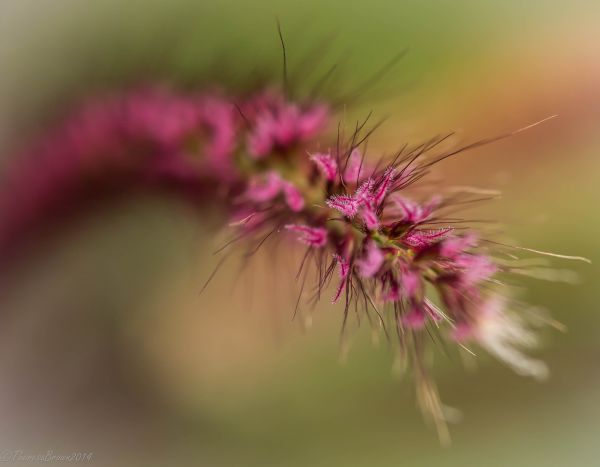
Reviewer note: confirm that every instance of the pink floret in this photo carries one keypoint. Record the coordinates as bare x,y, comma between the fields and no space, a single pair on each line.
312,236
370,263
293,197
326,164
281,126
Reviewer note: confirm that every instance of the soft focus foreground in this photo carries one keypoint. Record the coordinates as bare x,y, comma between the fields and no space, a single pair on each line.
107,345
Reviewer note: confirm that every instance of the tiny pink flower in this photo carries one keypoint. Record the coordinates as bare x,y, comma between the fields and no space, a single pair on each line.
159,115
383,187
312,236
345,204
363,194
423,238
349,205
268,186
453,246
371,262
312,121
326,164
264,187
393,294
355,167
415,213
218,116
475,269
462,332
366,200
284,126
415,318
411,282
293,197
369,217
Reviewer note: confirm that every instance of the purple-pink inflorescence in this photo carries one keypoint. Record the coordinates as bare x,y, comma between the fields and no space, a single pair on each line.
261,155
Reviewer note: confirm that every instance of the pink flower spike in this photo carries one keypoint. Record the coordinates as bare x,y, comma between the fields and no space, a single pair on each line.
312,236
371,262
293,197
347,205
326,164
344,269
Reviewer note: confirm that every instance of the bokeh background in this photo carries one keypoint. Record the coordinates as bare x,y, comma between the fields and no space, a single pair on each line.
106,345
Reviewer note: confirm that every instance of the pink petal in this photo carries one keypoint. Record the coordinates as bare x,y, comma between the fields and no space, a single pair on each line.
369,216
264,187
453,246
293,197
371,262
312,236
311,121
247,220
326,164
347,205
425,238
260,141
355,167
285,128
413,212
411,282
475,269
363,194
384,186
415,318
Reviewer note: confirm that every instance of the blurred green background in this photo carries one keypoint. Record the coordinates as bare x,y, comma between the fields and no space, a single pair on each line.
106,344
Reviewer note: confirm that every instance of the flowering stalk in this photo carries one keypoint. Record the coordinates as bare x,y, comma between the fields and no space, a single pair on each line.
410,266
